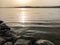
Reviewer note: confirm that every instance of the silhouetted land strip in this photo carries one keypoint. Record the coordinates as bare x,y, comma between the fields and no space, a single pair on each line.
38,7
33,7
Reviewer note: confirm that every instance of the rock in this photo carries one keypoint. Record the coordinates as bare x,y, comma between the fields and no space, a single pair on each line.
2,40
22,42
44,42
8,43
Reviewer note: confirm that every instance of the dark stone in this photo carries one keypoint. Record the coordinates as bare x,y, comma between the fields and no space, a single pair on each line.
1,21
2,40
8,43
44,42
22,42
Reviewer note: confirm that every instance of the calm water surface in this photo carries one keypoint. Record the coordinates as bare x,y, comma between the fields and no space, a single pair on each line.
29,14
44,15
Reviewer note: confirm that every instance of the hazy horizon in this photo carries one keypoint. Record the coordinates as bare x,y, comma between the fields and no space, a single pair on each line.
12,3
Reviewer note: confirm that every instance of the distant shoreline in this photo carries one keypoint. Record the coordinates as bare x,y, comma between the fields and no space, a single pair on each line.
33,7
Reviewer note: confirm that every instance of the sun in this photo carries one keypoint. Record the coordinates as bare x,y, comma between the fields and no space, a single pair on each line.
23,1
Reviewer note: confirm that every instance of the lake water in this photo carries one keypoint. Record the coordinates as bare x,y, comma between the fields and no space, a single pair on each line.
29,14
34,17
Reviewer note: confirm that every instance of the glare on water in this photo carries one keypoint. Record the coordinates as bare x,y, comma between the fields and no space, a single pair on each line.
29,14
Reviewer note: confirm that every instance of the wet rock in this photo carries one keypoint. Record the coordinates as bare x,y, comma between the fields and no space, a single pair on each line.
22,42
2,40
8,43
44,42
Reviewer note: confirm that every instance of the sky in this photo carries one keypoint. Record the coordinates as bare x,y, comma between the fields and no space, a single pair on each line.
12,3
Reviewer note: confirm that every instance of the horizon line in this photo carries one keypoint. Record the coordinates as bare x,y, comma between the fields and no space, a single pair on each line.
33,7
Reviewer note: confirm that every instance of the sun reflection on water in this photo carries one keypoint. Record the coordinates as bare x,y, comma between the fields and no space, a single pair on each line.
23,16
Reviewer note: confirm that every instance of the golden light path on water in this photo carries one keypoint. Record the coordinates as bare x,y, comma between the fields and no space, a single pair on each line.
23,16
